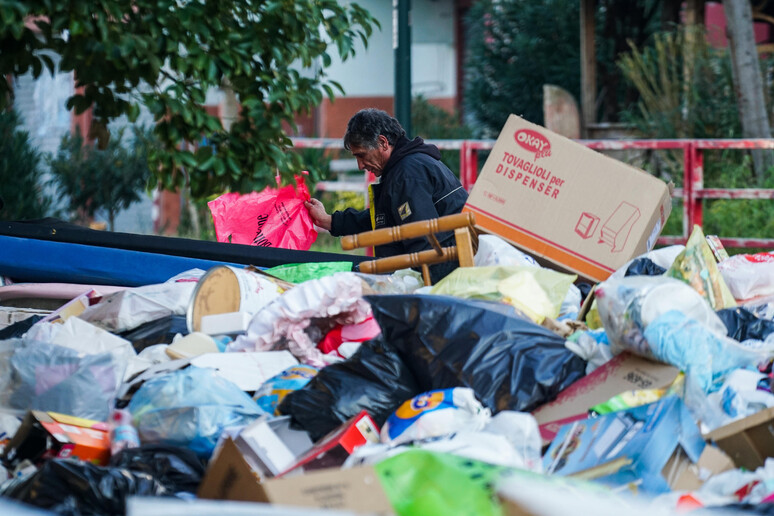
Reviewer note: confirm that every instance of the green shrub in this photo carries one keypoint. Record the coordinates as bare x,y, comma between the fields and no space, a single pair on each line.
21,185
434,123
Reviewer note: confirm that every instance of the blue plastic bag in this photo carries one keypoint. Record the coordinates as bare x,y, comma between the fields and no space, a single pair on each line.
190,408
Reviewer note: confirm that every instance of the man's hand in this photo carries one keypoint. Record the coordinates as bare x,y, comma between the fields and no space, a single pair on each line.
319,216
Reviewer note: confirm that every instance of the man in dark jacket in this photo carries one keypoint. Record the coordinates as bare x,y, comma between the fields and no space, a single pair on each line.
413,185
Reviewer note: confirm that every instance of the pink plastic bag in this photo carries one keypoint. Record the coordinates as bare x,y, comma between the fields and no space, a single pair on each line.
273,217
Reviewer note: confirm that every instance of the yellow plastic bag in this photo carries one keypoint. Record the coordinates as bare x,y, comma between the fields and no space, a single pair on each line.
536,291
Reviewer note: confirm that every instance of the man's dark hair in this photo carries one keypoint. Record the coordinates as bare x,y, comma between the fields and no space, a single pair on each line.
364,128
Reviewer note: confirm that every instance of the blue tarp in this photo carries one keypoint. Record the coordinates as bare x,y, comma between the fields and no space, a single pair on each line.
30,260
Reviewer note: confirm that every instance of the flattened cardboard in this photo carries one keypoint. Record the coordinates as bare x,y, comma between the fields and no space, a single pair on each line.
632,446
49,434
748,441
559,200
624,372
229,477
683,475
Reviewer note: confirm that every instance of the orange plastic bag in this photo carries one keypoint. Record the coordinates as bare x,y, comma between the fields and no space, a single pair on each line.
273,217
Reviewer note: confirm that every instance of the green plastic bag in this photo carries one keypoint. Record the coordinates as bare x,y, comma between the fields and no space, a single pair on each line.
535,291
300,272
424,483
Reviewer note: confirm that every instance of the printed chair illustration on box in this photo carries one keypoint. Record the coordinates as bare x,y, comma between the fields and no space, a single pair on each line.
465,236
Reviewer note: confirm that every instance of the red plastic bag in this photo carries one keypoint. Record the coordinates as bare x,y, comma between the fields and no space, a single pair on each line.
273,217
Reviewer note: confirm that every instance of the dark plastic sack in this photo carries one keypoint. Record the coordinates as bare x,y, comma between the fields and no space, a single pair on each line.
510,362
373,379
644,267
179,470
160,331
69,486
18,329
741,324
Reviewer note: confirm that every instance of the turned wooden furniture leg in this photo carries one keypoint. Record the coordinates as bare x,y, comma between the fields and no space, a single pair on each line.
464,247
426,274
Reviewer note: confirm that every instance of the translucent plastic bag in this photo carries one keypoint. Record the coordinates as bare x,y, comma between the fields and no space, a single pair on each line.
53,378
269,218
190,407
627,305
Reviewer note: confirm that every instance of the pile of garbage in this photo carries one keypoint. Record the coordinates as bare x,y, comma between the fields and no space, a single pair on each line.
505,388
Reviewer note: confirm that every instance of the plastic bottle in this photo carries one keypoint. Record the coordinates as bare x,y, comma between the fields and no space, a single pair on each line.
122,433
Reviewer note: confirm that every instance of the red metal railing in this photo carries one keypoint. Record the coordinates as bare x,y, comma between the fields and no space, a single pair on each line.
692,192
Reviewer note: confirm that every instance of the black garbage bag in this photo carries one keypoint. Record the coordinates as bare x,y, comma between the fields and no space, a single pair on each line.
742,324
179,470
644,267
158,331
509,361
18,329
74,487
374,379
737,508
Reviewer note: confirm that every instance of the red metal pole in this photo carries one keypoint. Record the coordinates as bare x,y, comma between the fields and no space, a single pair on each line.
698,185
464,165
687,185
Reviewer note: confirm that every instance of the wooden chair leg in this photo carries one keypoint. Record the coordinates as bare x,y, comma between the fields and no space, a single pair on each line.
464,247
426,274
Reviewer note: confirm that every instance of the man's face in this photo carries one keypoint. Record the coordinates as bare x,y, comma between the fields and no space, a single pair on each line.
373,160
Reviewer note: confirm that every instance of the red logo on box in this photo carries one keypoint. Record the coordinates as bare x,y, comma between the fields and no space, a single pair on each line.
533,141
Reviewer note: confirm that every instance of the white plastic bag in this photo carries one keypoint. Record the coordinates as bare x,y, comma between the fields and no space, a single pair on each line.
749,275
493,250
128,309
627,305
435,413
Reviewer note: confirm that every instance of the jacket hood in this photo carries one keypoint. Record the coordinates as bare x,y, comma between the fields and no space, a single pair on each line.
404,147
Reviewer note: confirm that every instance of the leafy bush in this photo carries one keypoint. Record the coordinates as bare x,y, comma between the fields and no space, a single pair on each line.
92,179
514,48
433,122
21,185
686,91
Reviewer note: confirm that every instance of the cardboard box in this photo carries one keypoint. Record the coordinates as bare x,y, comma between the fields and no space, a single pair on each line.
333,449
683,475
229,477
271,446
559,200
44,435
628,447
748,441
624,372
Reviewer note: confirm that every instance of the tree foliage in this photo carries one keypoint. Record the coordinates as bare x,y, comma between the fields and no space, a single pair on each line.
20,173
93,179
514,48
167,54
685,87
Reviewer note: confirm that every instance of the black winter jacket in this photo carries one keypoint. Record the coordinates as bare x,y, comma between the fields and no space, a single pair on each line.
414,185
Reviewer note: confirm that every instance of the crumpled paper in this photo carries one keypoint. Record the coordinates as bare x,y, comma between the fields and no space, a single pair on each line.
285,322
